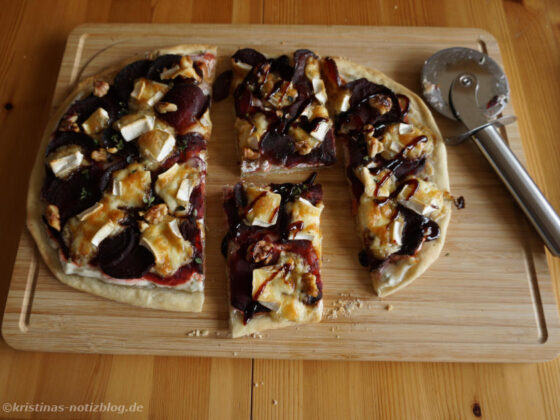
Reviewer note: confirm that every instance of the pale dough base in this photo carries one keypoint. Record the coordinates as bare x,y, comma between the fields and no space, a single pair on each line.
156,298
420,116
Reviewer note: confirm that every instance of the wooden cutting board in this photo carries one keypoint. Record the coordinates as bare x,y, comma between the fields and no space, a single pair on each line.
489,297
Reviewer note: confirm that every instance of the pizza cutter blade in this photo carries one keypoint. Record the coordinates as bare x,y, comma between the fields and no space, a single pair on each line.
468,86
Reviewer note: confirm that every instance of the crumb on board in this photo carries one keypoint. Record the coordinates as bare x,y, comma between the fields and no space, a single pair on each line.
234,353
275,402
344,306
256,335
198,333
389,307
257,384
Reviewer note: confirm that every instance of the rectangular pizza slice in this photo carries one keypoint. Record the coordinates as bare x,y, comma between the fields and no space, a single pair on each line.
116,202
282,122
397,170
273,255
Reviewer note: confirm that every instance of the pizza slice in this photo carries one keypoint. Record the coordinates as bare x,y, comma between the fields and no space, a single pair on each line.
282,122
116,201
396,166
273,255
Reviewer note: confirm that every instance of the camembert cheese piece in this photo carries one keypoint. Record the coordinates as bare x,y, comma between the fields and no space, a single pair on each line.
65,160
171,251
132,126
423,197
147,92
156,144
96,122
175,186
131,186
262,208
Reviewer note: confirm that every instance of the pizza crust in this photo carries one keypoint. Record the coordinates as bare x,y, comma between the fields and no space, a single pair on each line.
420,116
155,298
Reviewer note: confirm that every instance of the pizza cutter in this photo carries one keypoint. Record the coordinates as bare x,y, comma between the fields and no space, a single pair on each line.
466,85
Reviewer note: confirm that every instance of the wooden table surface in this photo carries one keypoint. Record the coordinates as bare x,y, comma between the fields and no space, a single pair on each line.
32,39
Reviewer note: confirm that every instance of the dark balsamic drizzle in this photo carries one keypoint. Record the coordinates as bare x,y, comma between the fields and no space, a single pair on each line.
276,145
241,237
417,228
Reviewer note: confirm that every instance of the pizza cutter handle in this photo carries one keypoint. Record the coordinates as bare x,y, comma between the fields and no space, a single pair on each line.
529,197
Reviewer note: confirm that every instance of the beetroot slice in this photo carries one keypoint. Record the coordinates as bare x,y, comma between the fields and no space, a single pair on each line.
191,103
64,138
277,147
134,265
220,89
124,80
87,106
159,64
74,194
249,56
114,249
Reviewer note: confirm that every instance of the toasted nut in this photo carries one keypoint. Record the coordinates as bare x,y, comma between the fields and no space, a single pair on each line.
99,155
53,216
100,88
310,285
186,62
260,251
156,213
112,150
165,107
69,123
142,225
250,154
382,103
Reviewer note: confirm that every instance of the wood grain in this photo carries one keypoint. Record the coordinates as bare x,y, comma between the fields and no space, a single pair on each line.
528,33
462,309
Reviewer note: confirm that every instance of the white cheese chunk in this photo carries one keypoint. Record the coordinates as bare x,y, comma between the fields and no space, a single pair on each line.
174,226
156,144
96,122
117,187
262,208
423,198
269,286
63,165
396,230
184,191
105,231
319,90
134,125
321,130
148,92
89,211
344,102
405,128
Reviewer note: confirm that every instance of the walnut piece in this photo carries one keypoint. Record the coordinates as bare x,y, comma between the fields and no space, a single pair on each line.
382,103
156,213
100,88
165,107
99,155
53,216
260,251
250,154
69,123
310,285
112,150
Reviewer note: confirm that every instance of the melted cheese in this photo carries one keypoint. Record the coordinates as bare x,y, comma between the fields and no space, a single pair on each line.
175,185
263,206
156,144
131,186
84,234
381,184
96,122
65,160
147,93
424,199
398,136
170,251
282,287
132,126
303,211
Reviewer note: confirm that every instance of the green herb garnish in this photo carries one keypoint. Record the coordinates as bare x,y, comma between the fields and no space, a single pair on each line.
83,194
148,200
198,260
